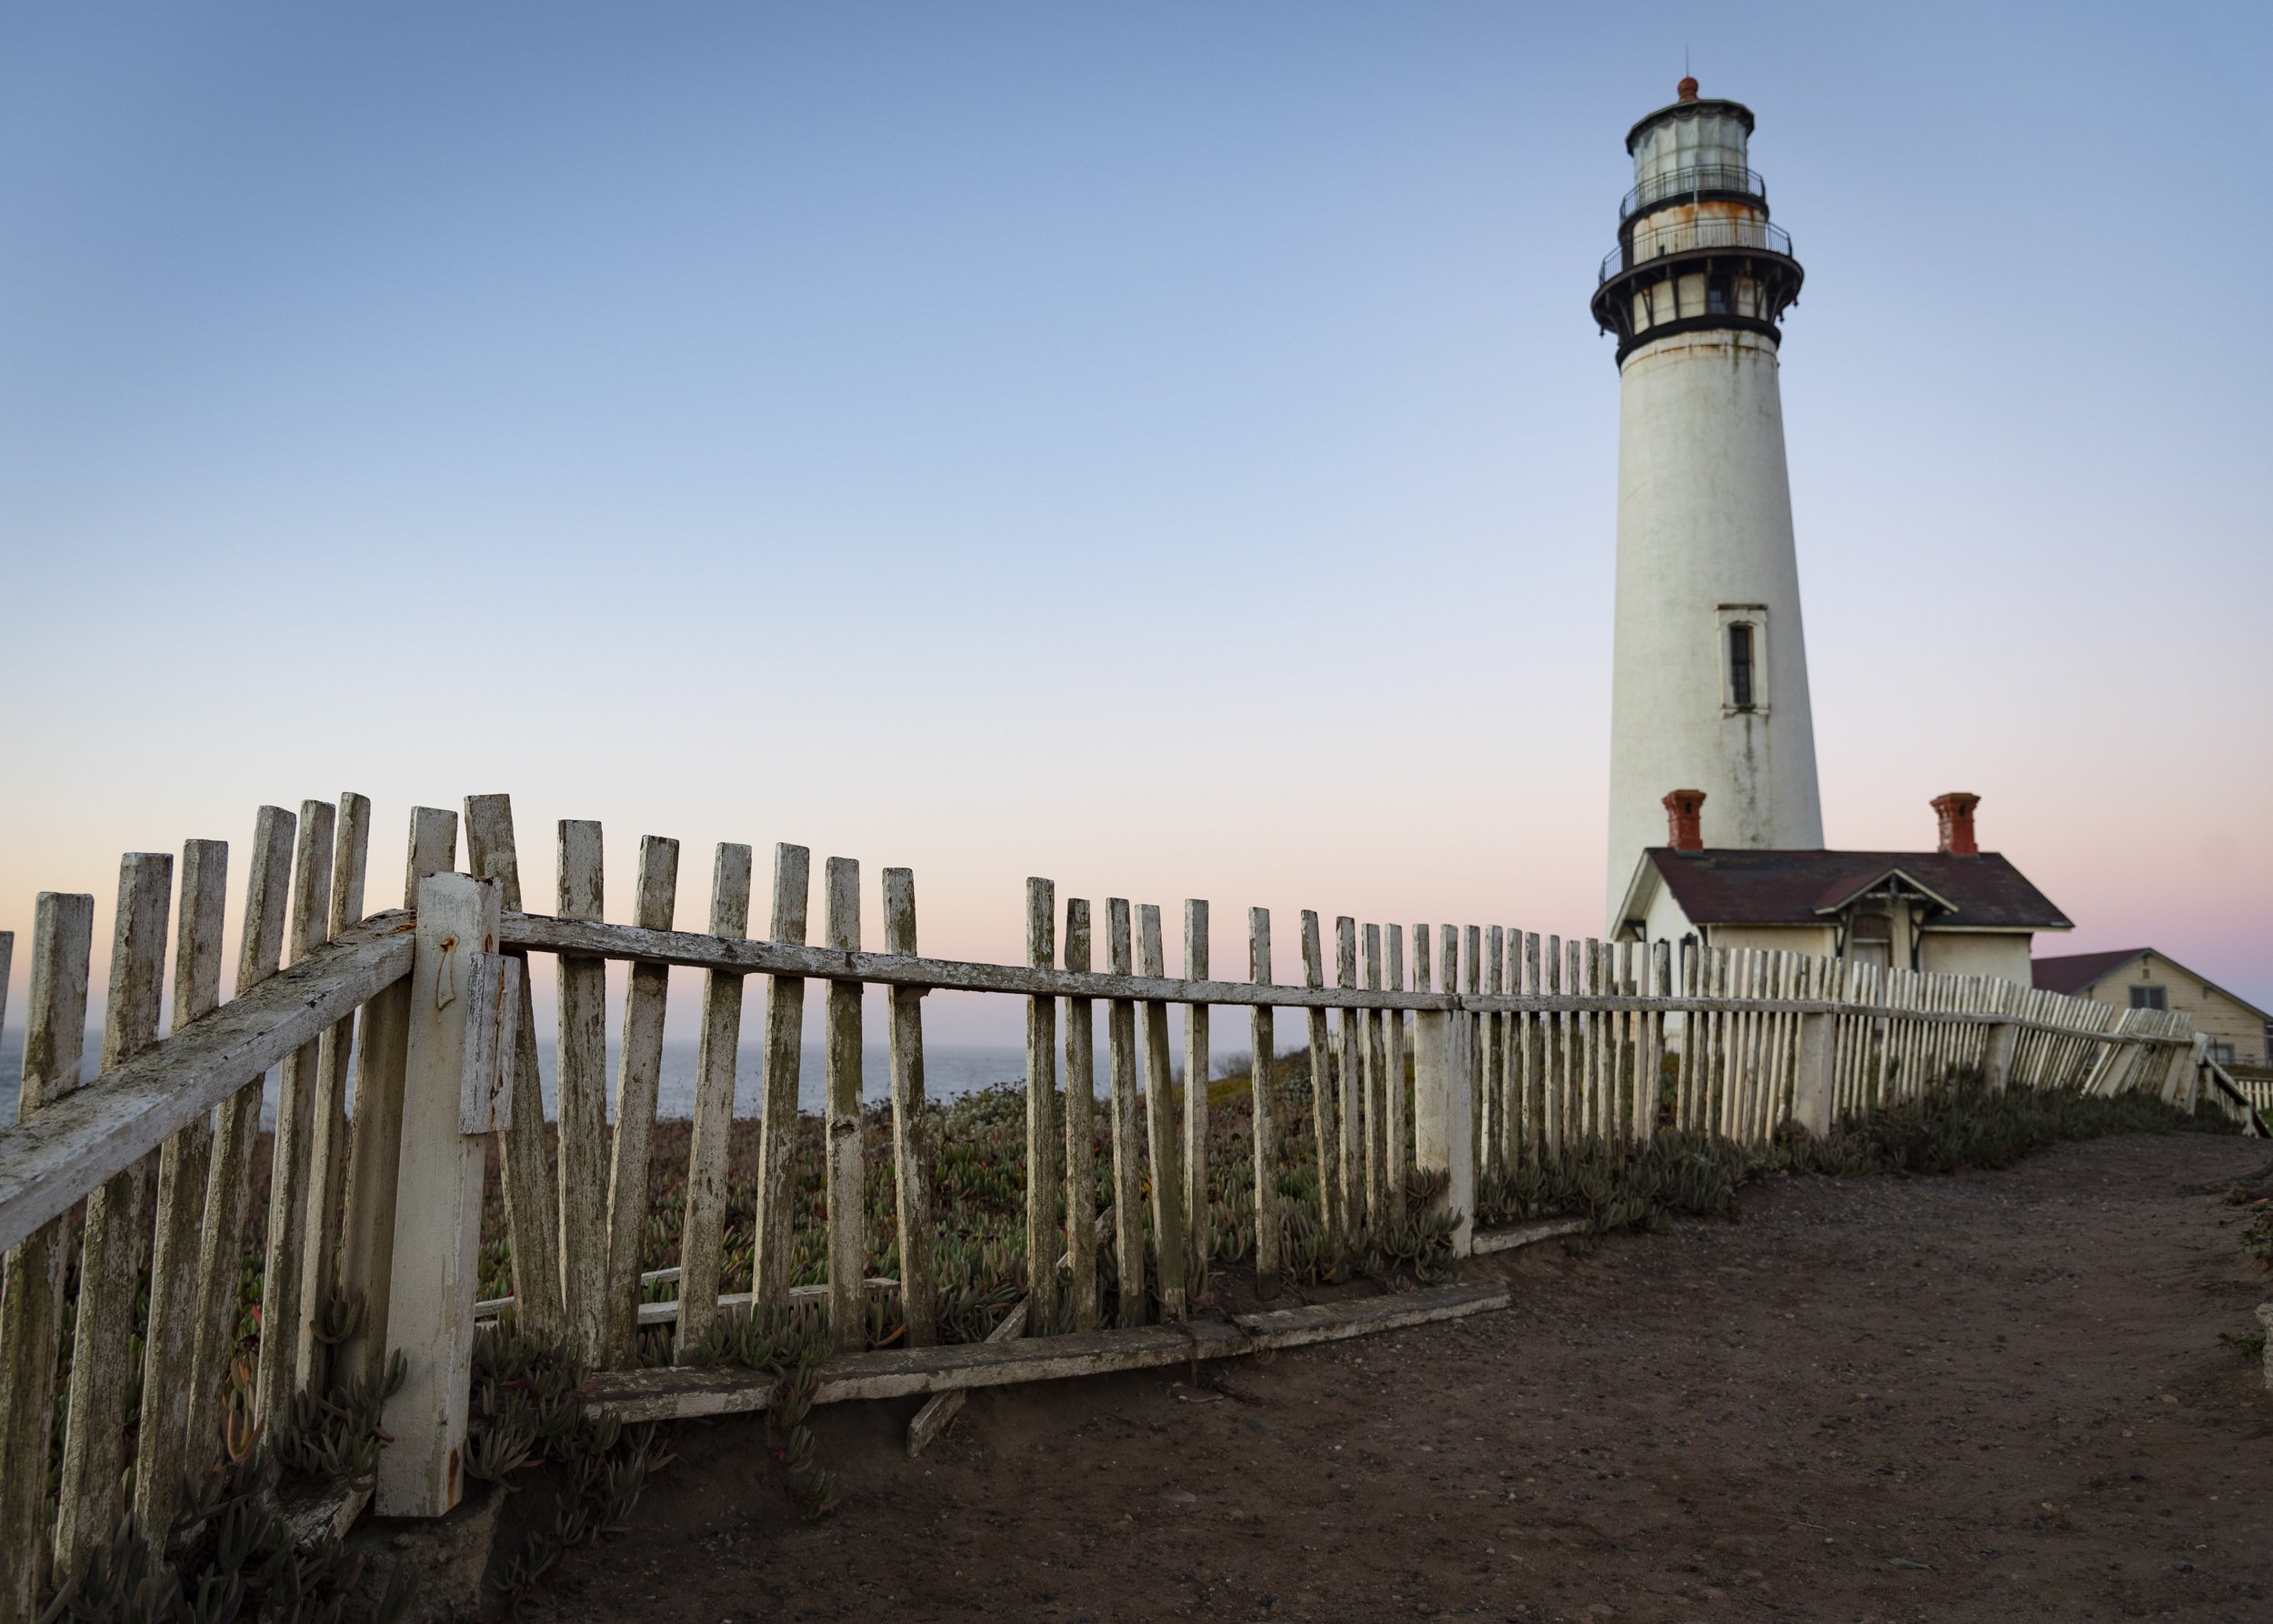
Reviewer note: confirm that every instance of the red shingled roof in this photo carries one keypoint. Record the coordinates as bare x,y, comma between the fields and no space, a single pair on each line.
2072,972
1726,887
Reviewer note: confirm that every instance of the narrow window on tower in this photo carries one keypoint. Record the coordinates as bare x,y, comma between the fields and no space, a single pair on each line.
1716,297
1740,665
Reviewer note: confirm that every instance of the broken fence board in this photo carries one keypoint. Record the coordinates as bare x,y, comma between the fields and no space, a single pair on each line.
940,1410
667,1394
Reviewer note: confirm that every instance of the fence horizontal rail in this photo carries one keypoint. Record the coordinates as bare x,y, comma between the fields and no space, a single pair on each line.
59,1154
690,951
544,933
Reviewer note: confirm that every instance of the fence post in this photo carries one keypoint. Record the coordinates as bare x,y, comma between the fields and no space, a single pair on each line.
1812,1076
1444,1116
1996,1062
456,981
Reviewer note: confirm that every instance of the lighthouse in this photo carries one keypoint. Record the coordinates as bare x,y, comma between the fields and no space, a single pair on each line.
1709,676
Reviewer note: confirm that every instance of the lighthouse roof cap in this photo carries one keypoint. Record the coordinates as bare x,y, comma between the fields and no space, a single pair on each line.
1688,107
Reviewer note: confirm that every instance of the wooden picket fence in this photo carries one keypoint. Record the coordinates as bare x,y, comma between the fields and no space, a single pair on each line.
1517,1047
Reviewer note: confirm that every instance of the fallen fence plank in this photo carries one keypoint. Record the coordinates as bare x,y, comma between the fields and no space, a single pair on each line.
1338,1322
679,1394
1524,1235
941,1408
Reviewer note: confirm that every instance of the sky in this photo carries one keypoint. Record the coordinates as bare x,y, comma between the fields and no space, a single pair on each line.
1162,448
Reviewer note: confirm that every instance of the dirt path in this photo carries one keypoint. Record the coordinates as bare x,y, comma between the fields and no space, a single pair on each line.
1995,1396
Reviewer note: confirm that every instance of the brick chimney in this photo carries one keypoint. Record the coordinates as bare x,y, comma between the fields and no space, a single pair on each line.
1684,811
1956,812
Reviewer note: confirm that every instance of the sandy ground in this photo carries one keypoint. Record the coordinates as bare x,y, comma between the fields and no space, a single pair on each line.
1993,1396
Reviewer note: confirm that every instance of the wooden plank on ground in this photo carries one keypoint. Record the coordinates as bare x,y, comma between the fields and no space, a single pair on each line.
668,1394
941,1408
1512,1237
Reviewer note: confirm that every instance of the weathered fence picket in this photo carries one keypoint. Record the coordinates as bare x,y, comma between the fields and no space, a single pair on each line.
843,1154
170,1336
327,1149
1120,1065
911,1148
31,1305
1042,1228
776,1239
1160,1125
1197,1064
639,1076
703,1217
1081,1154
1265,1126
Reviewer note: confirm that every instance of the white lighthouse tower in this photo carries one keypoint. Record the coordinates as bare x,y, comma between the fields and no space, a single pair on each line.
1709,682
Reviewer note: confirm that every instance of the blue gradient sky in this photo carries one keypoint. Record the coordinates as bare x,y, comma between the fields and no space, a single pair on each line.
1163,448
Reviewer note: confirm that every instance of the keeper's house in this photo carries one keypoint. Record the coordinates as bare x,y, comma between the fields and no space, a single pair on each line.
1956,910
2239,1033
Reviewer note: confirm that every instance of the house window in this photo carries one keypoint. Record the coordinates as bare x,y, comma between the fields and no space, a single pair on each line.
2150,997
1740,665
2223,1053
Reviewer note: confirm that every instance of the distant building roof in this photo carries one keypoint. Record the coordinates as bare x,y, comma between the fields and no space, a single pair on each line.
2071,973
1728,887
2076,973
